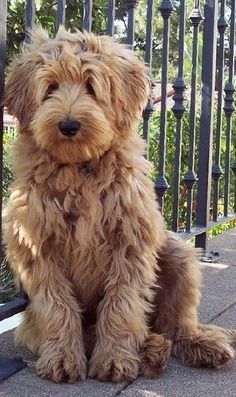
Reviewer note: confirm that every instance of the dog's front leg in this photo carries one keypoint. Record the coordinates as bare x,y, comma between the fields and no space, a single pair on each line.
57,318
121,329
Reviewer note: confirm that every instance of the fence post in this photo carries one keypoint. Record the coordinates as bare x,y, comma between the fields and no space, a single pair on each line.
206,120
216,169
148,61
161,184
178,110
131,5
29,19
61,13
190,176
87,18
111,10
229,108
7,366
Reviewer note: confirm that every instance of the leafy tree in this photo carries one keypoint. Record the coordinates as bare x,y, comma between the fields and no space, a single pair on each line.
46,15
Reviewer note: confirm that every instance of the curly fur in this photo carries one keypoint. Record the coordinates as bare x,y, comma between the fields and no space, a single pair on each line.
82,229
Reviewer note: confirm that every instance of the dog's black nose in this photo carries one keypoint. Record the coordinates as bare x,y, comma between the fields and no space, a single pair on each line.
69,127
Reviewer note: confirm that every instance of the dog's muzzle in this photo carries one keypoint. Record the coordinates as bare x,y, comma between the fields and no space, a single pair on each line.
69,127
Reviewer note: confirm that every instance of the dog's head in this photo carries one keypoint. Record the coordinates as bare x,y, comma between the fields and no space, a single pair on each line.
76,94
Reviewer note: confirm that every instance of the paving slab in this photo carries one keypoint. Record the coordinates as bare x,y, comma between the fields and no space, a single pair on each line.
225,244
12,390
227,320
9,349
180,381
26,380
219,304
27,384
219,278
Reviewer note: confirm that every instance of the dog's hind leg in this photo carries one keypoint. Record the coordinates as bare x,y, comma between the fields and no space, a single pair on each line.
176,309
229,334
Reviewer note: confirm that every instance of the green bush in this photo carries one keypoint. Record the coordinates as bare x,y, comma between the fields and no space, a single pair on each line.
154,136
8,139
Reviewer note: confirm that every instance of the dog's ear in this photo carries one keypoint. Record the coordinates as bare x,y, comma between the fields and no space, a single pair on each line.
20,83
130,83
20,90
136,90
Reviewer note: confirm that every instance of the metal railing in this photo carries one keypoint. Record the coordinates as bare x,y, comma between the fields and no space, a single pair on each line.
207,18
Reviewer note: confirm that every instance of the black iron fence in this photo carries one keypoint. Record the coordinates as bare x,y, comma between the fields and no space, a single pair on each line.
203,192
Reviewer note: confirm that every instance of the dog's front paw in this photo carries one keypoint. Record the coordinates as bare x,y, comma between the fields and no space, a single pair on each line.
114,365
62,364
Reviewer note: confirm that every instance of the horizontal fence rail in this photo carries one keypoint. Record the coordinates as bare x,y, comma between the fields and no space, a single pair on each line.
199,192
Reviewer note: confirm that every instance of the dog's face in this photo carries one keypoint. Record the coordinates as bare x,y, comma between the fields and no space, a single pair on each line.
76,94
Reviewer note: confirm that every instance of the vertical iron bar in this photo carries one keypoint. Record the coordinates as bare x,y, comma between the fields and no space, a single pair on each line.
149,33
3,19
29,19
179,109
190,176
87,18
234,171
216,169
232,30
206,120
148,60
233,167
227,158
131,5
146,121
61,13
229,107
161,184
234,190
111,17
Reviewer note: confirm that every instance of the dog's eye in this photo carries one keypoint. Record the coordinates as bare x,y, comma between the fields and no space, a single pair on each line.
89,88
52,87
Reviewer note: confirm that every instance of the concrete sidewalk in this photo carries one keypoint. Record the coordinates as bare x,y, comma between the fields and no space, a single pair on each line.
218,306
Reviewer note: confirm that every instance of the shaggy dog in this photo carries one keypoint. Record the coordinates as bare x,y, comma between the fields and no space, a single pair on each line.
83,231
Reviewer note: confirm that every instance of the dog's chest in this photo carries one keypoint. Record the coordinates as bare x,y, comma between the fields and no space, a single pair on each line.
75,205
77,225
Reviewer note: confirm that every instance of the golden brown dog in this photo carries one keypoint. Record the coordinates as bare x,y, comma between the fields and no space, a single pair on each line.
83,232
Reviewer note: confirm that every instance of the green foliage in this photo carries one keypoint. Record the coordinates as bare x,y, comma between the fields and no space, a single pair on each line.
7,287
222,228
154,136
170,160
8,139
140,39
46,15
7,290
